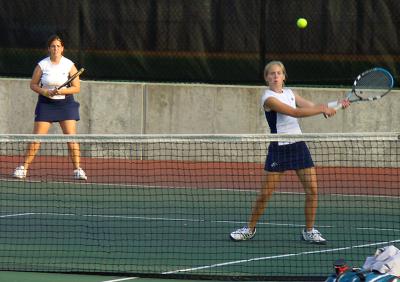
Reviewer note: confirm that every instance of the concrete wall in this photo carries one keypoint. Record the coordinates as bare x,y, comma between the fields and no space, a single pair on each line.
135,108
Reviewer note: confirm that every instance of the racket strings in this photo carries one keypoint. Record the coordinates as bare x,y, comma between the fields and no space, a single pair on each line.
373,84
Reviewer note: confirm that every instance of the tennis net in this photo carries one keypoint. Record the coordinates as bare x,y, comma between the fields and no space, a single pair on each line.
164,205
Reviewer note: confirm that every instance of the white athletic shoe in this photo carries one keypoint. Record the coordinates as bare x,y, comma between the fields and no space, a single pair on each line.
243,234
79,174
313,237
20,172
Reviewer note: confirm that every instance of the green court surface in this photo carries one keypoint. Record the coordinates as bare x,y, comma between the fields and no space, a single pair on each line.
46,277
95,227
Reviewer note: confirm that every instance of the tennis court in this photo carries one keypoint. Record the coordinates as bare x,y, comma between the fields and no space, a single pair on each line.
46,277
160,216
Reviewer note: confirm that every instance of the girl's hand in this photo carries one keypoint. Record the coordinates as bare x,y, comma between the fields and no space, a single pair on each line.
345,103
51,92
328,112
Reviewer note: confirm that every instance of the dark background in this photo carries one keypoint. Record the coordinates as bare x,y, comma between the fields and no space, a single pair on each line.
206,41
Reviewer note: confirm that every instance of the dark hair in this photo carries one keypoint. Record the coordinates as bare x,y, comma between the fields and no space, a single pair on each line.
54,37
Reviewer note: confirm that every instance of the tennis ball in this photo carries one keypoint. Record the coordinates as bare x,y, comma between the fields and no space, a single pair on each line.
301,23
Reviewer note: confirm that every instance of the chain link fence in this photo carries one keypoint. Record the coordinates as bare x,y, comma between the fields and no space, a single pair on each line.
206,41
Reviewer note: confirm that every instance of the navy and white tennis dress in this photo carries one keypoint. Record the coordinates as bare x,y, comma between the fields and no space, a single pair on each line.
281,157
59,107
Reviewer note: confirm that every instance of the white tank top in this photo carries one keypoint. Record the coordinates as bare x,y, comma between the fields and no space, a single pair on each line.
280,123
54,75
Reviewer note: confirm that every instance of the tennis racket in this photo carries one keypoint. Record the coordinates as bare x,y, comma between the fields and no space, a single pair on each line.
371,85
71,78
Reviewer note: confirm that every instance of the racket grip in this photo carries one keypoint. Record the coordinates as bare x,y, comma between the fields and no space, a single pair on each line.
335,105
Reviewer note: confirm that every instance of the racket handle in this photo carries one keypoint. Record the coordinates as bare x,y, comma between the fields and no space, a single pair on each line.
335,105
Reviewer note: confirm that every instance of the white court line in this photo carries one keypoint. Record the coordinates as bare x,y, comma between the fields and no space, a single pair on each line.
159,219
17,214
278,256
239,190
121,279
189,220
224,263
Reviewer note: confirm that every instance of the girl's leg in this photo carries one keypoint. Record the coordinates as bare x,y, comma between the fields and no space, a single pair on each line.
40,127
270,182
308,178
69,127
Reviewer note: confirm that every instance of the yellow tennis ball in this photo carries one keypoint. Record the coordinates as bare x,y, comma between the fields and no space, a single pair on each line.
301,23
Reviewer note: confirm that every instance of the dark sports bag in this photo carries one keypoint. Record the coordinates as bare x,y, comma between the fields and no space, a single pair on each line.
358,275
384,266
